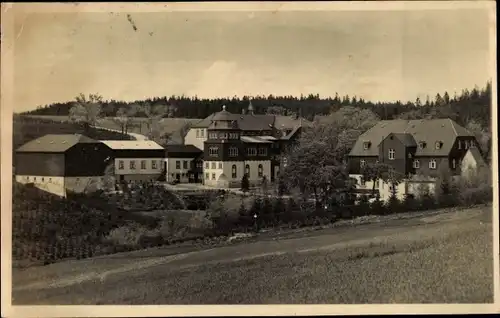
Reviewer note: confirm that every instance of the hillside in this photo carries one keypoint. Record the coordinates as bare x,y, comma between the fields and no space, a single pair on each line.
27,128
463,106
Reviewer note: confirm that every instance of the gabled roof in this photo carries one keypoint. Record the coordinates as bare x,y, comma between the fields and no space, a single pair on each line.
54,143
132,145
406,139
254,122
429,131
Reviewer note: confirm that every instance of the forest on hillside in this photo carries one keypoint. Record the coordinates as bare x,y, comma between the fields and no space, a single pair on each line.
469,104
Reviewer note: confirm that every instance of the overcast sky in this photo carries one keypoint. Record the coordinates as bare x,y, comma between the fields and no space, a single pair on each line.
376,55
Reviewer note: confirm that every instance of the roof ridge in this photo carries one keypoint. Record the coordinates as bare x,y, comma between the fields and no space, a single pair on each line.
453,126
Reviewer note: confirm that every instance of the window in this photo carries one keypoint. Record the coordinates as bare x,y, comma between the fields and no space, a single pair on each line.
233,136
233,152
132,165
213,165
421,144
34,178
392,154
207,176
472,144
453,163
197,133
213,151
262,151
223,135
438,144
143,164
177,164
220,165
432,164
459,144
199,164
362,163
185,164
260,171
233,172
366,145
207,165
466,142
213,135
121,165
247,170
202,133
153,164
416,163
50,179
213,176
251,151
43,179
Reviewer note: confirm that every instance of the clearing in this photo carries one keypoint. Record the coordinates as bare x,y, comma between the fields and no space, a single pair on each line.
441,258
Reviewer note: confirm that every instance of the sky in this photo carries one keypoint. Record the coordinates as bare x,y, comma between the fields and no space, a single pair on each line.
376,55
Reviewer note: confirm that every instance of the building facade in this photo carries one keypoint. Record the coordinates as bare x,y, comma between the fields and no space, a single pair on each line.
183,164
64,163
415,149
136,160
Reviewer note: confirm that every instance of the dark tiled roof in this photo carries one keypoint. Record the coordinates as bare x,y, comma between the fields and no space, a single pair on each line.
55,143
429,131
251,122
187,149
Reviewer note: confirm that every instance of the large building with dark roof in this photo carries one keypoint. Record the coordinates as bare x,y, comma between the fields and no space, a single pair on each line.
414,148
251,124
62,163
183,163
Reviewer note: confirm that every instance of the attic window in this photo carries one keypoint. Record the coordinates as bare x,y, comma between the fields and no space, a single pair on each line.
366,145
421,144
439,144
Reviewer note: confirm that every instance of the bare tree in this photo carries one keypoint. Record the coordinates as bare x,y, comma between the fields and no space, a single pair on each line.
86,109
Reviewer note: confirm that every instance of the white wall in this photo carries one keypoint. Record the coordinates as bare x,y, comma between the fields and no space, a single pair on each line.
138,170
172,169
384,188
59,185
54,185
254,164
212,172
196,140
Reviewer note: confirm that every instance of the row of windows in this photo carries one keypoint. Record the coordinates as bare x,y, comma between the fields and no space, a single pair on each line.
234,171
200,133
416,163
214,165
132,166
233,151
438,145
185,164
214,135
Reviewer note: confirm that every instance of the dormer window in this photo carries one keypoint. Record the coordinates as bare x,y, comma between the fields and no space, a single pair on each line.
366,145
362,163
439,144
421,144
466,142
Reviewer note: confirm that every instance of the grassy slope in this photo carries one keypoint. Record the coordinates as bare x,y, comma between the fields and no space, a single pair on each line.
168,125
421,260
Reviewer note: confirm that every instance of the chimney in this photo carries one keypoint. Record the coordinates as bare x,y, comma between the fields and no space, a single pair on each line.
250,108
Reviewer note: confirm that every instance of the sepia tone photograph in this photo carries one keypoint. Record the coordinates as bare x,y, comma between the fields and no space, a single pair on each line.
249,154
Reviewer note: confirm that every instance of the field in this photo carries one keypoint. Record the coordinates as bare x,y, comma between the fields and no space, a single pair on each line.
424,259
168,125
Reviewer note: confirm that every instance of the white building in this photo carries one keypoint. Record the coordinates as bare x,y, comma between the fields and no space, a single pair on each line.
136,160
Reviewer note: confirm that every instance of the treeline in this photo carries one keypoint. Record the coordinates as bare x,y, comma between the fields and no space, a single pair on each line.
469,104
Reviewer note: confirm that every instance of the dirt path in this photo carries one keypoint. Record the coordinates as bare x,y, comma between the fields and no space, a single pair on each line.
347,240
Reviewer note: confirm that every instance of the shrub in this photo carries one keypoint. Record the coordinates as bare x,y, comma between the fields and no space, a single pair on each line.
245,183
377,206
410,203
393,205
128,235
200,224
